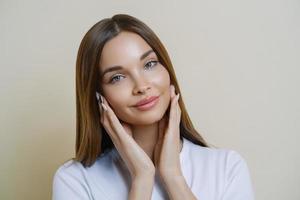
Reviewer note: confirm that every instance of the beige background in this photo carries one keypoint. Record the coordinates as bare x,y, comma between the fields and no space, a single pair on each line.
237,63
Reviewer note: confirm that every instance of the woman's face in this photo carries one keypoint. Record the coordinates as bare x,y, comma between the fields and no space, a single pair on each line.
130,73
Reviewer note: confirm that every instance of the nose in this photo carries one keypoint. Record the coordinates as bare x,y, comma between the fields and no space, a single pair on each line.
141,86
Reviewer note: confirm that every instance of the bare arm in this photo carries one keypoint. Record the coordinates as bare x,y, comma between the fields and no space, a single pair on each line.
141,188
167,153
139,164
177,188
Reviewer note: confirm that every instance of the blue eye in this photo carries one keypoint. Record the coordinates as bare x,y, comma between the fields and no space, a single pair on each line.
115,78
151,64
118,77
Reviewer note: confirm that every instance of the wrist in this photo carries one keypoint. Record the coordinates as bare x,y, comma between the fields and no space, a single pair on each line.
144,183
141,187
143,178
172,178
170,174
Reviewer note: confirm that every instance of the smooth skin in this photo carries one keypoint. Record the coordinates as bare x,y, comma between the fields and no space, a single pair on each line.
146,140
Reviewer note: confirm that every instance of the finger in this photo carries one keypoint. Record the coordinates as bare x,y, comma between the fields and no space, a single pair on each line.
178,114
175,105
172,94
110,115
172,91
98,97
126,127
103,108
162,127
178,110
104,118
160,138
115,123
173,118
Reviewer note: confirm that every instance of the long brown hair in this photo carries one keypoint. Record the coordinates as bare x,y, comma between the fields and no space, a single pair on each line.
92,139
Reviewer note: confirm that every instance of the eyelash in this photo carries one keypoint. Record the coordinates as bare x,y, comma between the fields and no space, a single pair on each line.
113,80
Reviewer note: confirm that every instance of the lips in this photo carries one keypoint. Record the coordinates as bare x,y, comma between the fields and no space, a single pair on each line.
146,101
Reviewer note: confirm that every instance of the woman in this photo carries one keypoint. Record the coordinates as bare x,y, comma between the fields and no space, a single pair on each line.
135,139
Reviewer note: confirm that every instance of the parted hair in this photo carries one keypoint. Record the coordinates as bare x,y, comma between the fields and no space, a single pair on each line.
91,137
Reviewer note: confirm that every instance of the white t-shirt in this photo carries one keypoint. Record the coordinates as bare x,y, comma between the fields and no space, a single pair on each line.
212,174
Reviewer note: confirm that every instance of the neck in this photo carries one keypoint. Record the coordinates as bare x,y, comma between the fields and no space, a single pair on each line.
146,137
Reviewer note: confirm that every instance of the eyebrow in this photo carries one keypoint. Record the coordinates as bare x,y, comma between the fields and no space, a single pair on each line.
117,67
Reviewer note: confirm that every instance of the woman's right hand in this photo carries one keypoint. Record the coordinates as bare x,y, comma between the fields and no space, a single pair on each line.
137,161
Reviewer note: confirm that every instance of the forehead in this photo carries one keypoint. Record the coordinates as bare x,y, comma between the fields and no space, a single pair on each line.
124,48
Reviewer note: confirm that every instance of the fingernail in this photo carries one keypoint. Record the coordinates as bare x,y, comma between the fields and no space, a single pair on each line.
101,97
104,106
97,96
178,95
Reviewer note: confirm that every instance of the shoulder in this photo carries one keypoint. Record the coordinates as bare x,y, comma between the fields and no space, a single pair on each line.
68,182
70,174
74,181
211,155
224,169
70,168
75,170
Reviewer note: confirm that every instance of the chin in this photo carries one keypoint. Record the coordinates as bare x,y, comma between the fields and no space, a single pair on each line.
144,119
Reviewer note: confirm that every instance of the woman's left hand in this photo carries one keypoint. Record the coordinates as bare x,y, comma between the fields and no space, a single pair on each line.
168,146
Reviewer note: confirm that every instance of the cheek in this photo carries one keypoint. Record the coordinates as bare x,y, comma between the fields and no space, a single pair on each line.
161,80
118,97
112,95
